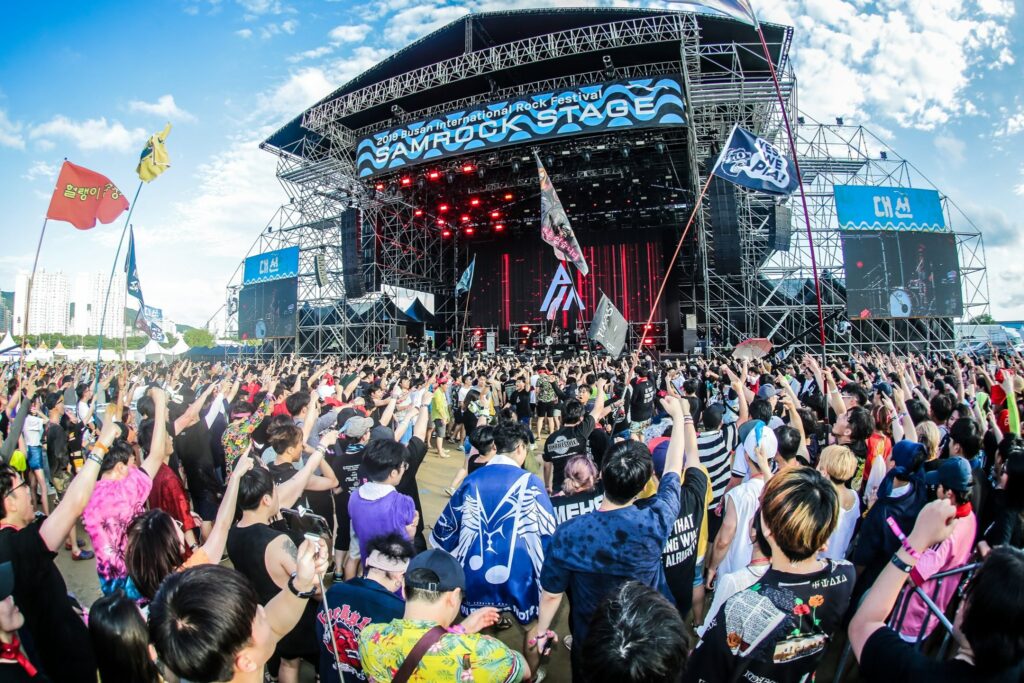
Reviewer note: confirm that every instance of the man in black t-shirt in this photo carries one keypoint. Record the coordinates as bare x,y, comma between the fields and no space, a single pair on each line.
641,402
570,440
417,447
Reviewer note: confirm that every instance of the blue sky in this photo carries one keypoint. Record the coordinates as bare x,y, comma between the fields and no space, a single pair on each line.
941,82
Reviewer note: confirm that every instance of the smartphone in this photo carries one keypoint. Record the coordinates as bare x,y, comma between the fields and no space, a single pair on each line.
302,521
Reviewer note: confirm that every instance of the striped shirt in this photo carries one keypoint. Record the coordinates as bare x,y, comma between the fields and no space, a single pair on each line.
715,449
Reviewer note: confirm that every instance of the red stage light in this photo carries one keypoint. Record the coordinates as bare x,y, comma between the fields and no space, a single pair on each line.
440,221
499,228
470,231
379,187
508,196
417,213
495,214
406,181
442,208
468,168
525,328
647,327
464,218
434,175
475,201
648,341
446,233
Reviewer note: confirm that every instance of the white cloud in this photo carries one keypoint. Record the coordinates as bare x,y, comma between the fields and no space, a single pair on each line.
289,26
44,145
271,30
1011,123
348,33
953,147
258,7
244,33
10,132
41,169
91,133
165,107
315,53
417,21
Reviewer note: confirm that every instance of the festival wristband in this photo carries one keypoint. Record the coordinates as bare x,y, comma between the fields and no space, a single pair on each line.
547,635
900,564
92,457
903,539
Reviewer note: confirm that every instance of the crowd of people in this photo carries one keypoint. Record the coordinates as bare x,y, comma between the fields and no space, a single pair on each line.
699,519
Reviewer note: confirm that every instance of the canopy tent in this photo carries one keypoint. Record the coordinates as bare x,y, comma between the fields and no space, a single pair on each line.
179,348
9,348
153,351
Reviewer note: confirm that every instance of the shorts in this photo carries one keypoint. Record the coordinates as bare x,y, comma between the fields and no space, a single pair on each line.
439,429
698,573
353,546
35,457
638,427
545,409
557,412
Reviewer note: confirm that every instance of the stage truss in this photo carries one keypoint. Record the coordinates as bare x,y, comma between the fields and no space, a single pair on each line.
318,174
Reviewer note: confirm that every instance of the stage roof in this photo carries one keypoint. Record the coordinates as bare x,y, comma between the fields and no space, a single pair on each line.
475,32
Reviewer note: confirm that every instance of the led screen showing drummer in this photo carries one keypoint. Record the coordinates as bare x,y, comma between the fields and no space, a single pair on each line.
900,274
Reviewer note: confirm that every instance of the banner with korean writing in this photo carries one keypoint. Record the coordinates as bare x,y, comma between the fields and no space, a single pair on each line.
272,265
860,207
83,197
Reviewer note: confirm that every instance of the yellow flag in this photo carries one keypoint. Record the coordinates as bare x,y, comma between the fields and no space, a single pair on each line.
154,160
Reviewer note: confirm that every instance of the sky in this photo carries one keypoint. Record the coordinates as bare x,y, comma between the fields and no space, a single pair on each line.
940,81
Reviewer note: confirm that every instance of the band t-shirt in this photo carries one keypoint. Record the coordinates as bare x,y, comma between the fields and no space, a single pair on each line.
354,605
570,507
641,404
777,630
564,444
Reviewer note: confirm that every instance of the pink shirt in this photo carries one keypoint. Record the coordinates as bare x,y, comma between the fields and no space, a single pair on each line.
114,504
954,552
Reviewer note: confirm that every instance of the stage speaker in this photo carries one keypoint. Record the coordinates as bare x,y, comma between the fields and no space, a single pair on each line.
780,227
399,344
689,340
725,226
351,255
320,270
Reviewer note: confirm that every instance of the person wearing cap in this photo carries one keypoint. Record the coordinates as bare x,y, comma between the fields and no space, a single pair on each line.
15,664
435,585
347,460
733,547
954,483
901,495
360,601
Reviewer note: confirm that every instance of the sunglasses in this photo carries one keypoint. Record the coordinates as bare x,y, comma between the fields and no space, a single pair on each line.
11,492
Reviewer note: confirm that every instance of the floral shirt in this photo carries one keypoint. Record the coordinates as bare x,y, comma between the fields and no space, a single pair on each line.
237,435
455,657
112,507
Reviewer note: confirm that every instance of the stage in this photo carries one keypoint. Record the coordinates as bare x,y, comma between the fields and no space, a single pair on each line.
428,162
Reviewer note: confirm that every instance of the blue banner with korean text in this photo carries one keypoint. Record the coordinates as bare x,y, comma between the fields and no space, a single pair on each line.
633,103
861,207
272,265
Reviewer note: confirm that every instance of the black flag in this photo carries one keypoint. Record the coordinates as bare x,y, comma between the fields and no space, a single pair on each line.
608,326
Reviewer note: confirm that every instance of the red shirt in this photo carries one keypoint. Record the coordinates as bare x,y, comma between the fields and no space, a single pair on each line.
168,495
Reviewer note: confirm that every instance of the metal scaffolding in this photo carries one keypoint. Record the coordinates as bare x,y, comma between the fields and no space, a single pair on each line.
725,83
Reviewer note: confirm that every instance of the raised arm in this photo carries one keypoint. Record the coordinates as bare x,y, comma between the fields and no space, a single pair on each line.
151,465
680,446
215,542
290,491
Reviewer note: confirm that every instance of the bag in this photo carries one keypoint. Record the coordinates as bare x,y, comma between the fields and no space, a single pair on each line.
426,641
18,461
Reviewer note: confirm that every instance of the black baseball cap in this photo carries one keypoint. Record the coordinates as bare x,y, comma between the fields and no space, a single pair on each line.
954,474
447,569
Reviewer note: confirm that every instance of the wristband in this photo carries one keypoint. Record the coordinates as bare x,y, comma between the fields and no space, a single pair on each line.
98,446
296,592
900,564
92,457
903,539
546,636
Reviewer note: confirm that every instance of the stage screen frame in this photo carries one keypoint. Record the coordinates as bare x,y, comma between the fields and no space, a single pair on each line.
252,301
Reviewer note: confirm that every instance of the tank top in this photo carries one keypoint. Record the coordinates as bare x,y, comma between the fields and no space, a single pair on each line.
247,549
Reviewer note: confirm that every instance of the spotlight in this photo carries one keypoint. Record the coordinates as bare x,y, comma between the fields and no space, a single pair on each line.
450,177
839,121
515,167
625,151
550,160
441,222
648,341
524,328
660,147
495,214
446,233
418,213
442,208
468,168
480,173
406,181
800,120
464,218
470,231
609,66
586,155
421,183
396,110
475,201
499,227
508,196
883,155
434,175
379,187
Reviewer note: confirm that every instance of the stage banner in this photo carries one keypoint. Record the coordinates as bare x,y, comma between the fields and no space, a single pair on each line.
633,103
860,207
609,327
272,265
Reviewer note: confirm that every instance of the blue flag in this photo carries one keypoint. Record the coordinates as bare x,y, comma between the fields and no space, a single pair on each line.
465,282
497,525
756,164
134,286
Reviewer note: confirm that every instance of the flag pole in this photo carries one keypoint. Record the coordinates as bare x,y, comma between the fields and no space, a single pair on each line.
800,184
110,282
679,247
465,316
28,298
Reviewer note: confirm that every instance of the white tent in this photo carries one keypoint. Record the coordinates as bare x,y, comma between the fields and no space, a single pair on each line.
9,348
179,348
152,352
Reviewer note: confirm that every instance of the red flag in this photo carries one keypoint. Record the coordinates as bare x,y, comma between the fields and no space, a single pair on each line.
82,197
